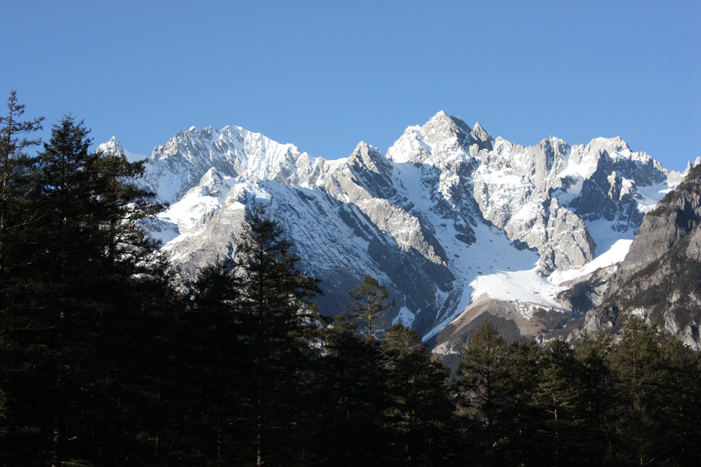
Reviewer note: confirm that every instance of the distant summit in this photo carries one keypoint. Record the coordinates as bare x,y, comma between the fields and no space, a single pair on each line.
114,146
454,222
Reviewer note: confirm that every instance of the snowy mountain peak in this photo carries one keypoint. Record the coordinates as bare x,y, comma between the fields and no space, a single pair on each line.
442,127
235,152
449,215
113,146
440,139
368,156
480,137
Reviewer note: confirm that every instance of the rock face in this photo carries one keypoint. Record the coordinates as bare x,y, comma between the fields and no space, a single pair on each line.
448,215
660,278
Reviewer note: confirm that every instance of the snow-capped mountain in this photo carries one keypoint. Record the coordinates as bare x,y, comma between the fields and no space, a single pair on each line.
450,220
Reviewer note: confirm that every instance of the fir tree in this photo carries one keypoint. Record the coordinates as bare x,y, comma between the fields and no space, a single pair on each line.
559,400
522,418
279,331
357,395
353,398
15,174
211,362
75,303
483,386
597,394
369,303
652,379
419,410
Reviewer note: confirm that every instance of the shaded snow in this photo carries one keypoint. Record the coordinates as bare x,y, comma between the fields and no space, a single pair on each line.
405,317
653,194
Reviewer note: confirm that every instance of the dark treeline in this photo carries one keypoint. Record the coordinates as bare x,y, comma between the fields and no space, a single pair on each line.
103,361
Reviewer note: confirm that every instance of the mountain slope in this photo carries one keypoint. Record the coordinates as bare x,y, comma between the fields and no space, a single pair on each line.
449,217
660,278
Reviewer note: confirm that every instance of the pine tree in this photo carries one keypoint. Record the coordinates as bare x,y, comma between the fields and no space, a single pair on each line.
74,306
419,410
280,335
15,171
483,387
369,303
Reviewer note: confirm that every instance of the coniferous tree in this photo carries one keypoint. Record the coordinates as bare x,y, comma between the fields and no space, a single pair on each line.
15,173
597,394
419,410
559,400
357,381
637,366
682,403
652,377
522,420
211,363
279,325
369,303
353,397
483,387
15,219
75,302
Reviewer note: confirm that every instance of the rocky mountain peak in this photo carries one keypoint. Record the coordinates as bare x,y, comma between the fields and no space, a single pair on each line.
440,140
447,213
480,137
368,157
442,128
178,165
113,146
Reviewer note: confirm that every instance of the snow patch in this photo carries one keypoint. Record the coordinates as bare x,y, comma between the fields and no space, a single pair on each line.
517,286
405,317
615,254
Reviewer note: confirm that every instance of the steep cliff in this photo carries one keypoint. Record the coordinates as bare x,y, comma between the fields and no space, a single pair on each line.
660,278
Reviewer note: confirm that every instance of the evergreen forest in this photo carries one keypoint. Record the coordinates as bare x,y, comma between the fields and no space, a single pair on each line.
106,361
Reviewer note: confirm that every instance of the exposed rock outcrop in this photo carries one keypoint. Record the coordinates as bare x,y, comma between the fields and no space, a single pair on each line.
660,278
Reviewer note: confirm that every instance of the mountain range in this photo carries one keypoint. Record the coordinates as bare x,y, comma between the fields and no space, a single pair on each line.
456,224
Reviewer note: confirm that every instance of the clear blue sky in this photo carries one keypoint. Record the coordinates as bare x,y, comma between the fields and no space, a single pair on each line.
325,75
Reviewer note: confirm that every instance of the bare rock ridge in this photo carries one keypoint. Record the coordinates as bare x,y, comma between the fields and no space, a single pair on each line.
660,278
448,219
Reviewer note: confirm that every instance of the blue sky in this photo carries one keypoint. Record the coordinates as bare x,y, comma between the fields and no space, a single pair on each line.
325,75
